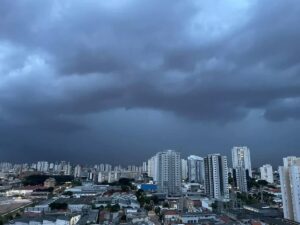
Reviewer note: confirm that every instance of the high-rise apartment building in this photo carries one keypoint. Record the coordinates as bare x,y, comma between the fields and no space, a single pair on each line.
77,171
168,169
216,176
42,166
184,169
266,173
145,167
290,187
152,167
241,158
195,169
241,165
240,179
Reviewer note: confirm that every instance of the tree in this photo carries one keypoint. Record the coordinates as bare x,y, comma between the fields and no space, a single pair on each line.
76,183
155,199
58,206
68,193
125,181
115,208
166,205
123,218
214,206
142,198
262,183
157,210
38,179
148,207
125,188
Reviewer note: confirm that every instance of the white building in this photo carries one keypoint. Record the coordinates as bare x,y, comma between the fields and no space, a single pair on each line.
145,168
240,179
241,158
42,166
184,169
168,169
290,187
196,169
48,220
241,165
108,167
77,171
266,173
152,167
216,176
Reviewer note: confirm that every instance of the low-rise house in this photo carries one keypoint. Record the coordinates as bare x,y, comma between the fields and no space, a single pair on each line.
87,190
195,218
89,217
125,200
103,201
171,216
76,204
47,220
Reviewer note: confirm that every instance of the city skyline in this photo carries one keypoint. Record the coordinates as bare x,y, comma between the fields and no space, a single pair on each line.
93,81
184,156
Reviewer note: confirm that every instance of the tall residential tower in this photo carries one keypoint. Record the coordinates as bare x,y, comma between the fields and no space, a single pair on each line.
290,187
216,176
241,165
195,169
168,169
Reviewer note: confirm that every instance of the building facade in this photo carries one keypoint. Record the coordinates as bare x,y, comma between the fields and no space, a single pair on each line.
290,187
266,173
241,165
241,158
168,169
216,176
184,169
195,169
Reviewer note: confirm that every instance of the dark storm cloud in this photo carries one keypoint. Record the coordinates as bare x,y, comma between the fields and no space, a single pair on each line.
214,61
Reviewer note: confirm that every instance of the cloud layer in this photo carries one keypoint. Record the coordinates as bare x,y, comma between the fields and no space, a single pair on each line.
207,62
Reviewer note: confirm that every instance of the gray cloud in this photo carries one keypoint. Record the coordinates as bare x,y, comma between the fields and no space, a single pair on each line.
212,62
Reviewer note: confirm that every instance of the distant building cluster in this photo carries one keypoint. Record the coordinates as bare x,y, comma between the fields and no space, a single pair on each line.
191,183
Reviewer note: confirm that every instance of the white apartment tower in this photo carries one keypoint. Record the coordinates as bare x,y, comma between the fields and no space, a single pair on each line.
266,173
184,169
241,165
196,169
240,179
77,171
42,166
168,169
290,187
144,170
152,167
216,176
241,158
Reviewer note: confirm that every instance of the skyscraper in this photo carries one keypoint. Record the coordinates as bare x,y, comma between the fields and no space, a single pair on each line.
216,176
241,158
266,173
240,179
152,167
241,164
168,169
290,187
145,167
184,169
195,169
77,171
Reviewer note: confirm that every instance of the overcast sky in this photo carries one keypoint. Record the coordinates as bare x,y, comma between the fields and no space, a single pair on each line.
117,81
